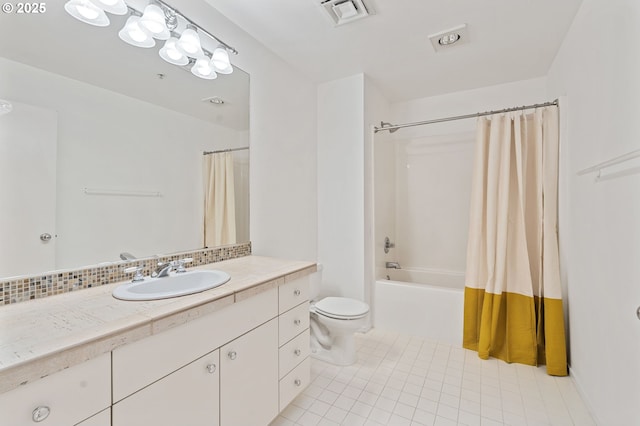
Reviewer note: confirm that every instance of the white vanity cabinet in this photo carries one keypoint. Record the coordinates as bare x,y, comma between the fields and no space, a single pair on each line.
294,347
237,360
249,377
189,396
152,385
103,418
64,398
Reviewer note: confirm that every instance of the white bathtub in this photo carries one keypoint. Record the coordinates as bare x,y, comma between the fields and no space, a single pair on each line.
421,303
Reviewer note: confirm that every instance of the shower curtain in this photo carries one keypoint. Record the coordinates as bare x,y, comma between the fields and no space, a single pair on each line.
513,299
219,200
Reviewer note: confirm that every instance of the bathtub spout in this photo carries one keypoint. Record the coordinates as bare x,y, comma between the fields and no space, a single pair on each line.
392,265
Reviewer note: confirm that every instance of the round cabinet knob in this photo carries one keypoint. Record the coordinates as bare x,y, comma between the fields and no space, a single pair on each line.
232,355
296,292
638,312
297,382
40,413
296,322
211,368
45,237
297,352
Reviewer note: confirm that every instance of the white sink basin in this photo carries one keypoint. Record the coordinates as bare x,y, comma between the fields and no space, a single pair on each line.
174,285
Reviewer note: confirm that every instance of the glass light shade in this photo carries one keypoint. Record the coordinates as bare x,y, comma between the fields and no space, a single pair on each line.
170,53
117,7
220,58
203,69
153,21
227,70
189,44
87,12
135,35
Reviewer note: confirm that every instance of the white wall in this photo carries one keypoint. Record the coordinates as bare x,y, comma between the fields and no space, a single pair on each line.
432,177
597,69
433,192
376,109
341,186
107,140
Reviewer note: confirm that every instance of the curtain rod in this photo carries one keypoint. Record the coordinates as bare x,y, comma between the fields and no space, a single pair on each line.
462,117
224,150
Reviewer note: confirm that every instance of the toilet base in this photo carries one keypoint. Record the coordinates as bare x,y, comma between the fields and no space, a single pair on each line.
342,351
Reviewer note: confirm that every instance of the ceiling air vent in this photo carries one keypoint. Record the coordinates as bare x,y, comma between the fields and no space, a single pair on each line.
344,11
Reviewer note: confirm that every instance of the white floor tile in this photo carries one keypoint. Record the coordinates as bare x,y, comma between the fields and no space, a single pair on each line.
408,381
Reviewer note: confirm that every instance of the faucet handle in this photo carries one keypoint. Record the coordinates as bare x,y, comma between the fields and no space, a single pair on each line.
181,264
138,276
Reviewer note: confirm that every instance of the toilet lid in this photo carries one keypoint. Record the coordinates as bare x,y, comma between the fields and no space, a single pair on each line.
342,307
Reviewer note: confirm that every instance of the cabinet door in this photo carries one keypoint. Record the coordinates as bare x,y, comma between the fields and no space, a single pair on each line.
64,398
189,396
249,378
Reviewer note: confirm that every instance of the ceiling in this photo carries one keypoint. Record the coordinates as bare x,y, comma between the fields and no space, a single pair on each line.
56,42
509,40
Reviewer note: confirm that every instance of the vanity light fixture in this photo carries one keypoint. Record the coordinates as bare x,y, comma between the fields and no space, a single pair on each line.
189,43
170,53
202,68
153,21
160,21
220,60
134,34
116,7
87,12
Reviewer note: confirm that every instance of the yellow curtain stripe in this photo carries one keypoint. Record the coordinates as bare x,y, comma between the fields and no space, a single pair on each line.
504,326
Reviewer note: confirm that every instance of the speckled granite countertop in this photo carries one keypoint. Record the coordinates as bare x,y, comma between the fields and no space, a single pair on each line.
41,337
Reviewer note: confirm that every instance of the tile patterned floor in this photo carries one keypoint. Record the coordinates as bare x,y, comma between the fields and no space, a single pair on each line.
408,381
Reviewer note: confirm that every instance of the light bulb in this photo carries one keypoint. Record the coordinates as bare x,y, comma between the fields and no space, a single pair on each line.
170,53
203,69
220,58
189,44
135,35
153,20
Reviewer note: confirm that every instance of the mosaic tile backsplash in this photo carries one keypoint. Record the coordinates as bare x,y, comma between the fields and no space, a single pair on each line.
57,282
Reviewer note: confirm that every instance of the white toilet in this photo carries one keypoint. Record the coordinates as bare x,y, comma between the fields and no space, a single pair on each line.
334,320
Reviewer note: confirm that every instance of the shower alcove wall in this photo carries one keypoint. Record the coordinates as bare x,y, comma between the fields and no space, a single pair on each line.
422,184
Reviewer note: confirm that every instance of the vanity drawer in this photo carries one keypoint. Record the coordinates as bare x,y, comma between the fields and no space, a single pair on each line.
292,322
69,396
294,352
293,293
141,363
294,383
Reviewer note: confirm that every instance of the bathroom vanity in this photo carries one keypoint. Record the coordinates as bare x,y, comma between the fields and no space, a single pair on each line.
235,355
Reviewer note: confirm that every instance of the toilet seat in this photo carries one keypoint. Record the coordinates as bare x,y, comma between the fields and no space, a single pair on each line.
341,308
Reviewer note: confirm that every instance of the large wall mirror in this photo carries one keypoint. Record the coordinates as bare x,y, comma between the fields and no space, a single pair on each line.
103,146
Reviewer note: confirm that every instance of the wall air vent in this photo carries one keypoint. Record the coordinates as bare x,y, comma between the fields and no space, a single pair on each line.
345,11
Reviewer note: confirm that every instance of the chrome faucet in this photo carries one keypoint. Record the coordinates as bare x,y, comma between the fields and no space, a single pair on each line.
163,269
392,265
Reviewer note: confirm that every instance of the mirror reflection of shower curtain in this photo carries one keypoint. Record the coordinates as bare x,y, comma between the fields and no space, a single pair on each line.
219,200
